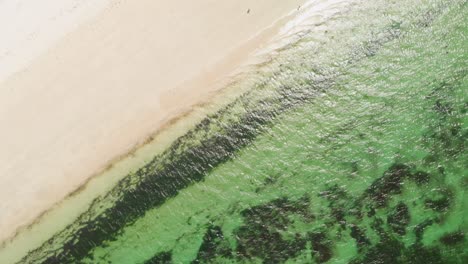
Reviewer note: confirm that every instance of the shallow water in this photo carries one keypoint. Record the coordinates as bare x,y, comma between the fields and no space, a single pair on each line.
349,147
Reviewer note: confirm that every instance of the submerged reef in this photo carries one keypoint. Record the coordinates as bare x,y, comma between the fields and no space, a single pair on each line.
269,232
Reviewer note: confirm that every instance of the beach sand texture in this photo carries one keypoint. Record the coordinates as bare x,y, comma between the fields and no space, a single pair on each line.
106,86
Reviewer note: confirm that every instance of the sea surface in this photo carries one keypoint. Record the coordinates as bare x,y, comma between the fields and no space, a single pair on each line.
348,147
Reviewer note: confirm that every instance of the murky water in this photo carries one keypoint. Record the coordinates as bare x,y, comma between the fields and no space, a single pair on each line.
348,148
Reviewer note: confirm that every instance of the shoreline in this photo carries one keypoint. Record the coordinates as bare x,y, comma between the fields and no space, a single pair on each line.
250,45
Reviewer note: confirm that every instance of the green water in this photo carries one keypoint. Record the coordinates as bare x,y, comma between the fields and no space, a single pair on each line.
348,148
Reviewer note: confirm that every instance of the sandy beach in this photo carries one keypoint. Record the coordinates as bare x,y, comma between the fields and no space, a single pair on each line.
106,83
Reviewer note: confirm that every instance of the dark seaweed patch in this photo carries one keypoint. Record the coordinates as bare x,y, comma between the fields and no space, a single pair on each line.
359,236
387,251
338,201
334,194
442,201
443,108
421,177
378,226
371,212
161,258
260,237
399,219
418,254
214,245
453,238
439,205
391,183
321,247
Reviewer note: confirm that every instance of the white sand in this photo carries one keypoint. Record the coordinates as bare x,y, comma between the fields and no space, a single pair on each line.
108,85
28,28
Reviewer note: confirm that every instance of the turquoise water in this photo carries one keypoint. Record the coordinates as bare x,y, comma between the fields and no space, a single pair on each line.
348,148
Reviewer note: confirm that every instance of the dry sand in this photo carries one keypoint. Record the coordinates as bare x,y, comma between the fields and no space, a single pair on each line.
27,28
109,84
